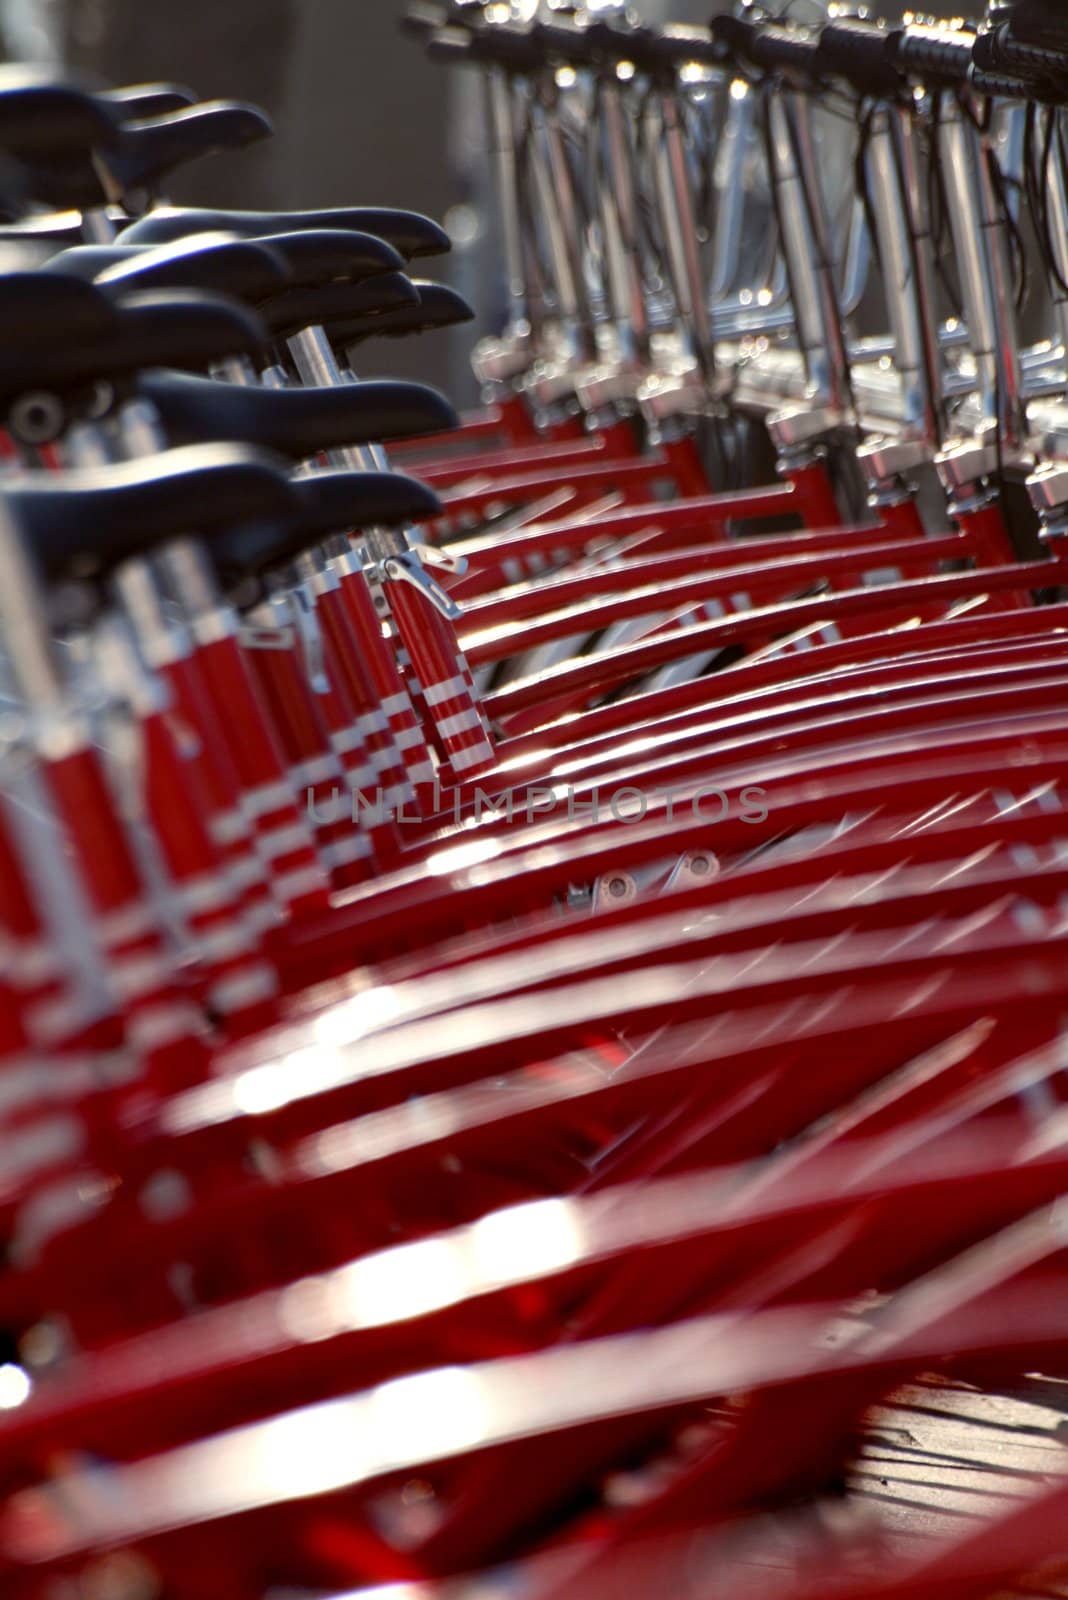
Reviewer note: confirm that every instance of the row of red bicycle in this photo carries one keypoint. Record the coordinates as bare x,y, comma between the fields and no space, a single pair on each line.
533,983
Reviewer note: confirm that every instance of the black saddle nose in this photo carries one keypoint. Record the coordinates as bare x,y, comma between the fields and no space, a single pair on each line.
138,100
185,328
93,337
145,151
297,422
41,118
408,232
84,524
46,309
435,306
329,303
329,502
325,255
239,267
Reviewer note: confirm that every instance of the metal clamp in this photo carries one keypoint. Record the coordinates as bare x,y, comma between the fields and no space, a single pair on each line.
431,555
408,568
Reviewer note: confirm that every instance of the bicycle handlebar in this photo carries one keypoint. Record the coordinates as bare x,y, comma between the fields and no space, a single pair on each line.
1034,22
937,55
1025,55
859,52
772,48
674,46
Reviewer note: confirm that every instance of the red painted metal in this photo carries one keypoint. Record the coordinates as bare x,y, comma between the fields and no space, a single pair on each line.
239,986
510,463
386,788
455,722
161,1021
646,529
573,685
393,693
815,496
597,602
297,878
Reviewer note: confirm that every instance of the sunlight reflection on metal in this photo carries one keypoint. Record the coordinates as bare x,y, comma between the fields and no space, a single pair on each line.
409,1281
15,1387
362,1014
463,855
266,1088
542,1237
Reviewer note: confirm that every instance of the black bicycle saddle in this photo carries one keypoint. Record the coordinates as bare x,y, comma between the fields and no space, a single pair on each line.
240,267
330,502
293,278
40,118
59,229
408,232
324,255
186,328
139,100
24,255
296,422
327,303
146,151
41,309
438,306
175,328
83,524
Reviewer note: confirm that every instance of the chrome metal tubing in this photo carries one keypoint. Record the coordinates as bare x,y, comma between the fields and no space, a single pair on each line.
24,630
1057,200
675,201
620,224
558,213
739,130
500,120
985,273
806,247
904,249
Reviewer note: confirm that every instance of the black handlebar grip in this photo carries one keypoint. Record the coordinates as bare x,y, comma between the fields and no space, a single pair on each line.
781,50
859,52
674,45
734,34
997,50
645,47
936,54
616,42
1043,23
772,48
1002,86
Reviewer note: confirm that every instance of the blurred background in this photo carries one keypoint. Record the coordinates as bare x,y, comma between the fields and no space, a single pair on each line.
362,117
